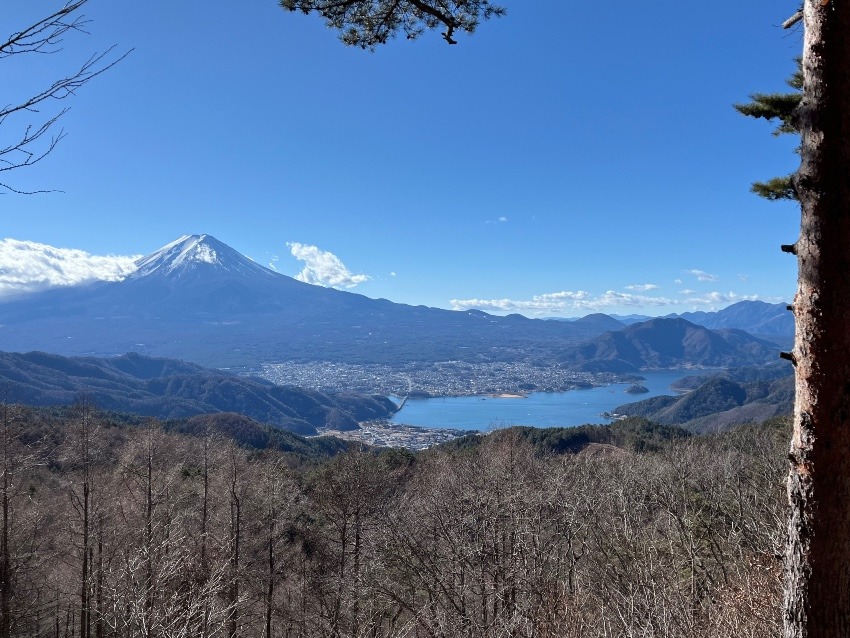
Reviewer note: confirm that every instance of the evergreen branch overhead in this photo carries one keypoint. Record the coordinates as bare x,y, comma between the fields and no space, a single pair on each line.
776,189
368,23
772,106
781,107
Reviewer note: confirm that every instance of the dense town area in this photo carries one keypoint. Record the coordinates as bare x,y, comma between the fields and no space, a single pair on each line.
441,379
383,433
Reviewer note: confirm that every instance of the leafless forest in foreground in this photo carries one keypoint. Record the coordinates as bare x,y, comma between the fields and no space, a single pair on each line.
112,530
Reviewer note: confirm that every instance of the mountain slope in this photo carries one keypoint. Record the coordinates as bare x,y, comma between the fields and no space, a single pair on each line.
668,343
600,321
200,300
166,389
755,317
718,402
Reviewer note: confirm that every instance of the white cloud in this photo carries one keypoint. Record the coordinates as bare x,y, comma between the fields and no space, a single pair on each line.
27,266
499,220
562,296
642,287
392,274
562,302
678,282
567,303
744,278
612,299
323,268
716,299
701,275
273,262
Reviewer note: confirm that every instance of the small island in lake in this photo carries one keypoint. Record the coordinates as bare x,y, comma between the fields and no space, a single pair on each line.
636,389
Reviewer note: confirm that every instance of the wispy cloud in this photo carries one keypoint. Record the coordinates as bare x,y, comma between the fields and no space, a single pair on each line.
27,266
744,278
724,298
642,287
323,268
563,302
499,220
701,275
570,302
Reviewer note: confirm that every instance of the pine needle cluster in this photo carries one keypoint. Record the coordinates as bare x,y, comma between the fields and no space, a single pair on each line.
780,108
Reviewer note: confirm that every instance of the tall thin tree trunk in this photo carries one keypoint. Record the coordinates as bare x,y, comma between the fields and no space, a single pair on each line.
149,585
273,491
99,625
271,566
5,556
355,608
84,576
205,503
817,596
235,538
85,602
204,523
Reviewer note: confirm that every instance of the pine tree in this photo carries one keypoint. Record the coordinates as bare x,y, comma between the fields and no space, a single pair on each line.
368,23
777,107
817,560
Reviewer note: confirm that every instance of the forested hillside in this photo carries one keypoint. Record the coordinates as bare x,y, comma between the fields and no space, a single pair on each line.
169,388
744,395
134,529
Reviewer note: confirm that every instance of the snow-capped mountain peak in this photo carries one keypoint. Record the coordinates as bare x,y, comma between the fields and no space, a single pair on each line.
193,254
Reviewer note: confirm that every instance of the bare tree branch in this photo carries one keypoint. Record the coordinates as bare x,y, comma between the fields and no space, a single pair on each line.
794,19
35,140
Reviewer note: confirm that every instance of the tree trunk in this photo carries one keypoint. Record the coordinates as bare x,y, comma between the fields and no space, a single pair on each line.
5,555
817,595
86,442
149,584
99,624
271,566
235,539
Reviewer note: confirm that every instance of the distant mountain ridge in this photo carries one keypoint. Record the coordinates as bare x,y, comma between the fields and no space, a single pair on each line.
755,317
668,343
198,299
166,389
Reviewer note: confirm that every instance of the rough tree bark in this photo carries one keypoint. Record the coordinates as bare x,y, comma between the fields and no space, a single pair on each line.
817,596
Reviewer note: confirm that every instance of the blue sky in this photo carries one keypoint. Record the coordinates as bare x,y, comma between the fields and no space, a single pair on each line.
567,158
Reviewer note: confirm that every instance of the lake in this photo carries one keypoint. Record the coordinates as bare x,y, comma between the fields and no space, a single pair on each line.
538,409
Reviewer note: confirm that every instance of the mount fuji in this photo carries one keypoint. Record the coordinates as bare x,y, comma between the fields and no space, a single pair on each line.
195,257
199,300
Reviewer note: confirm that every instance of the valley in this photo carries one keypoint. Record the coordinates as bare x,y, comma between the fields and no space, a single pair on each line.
199,328
273,402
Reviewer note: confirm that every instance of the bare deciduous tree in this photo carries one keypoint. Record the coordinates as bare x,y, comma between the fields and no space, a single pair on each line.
27,134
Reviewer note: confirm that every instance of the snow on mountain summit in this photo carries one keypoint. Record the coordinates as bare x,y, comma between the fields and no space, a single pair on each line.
194,254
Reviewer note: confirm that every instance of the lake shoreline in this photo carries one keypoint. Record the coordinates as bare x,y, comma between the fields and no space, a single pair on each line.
537,409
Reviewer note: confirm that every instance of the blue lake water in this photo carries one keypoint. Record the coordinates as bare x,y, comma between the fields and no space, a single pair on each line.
539,409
